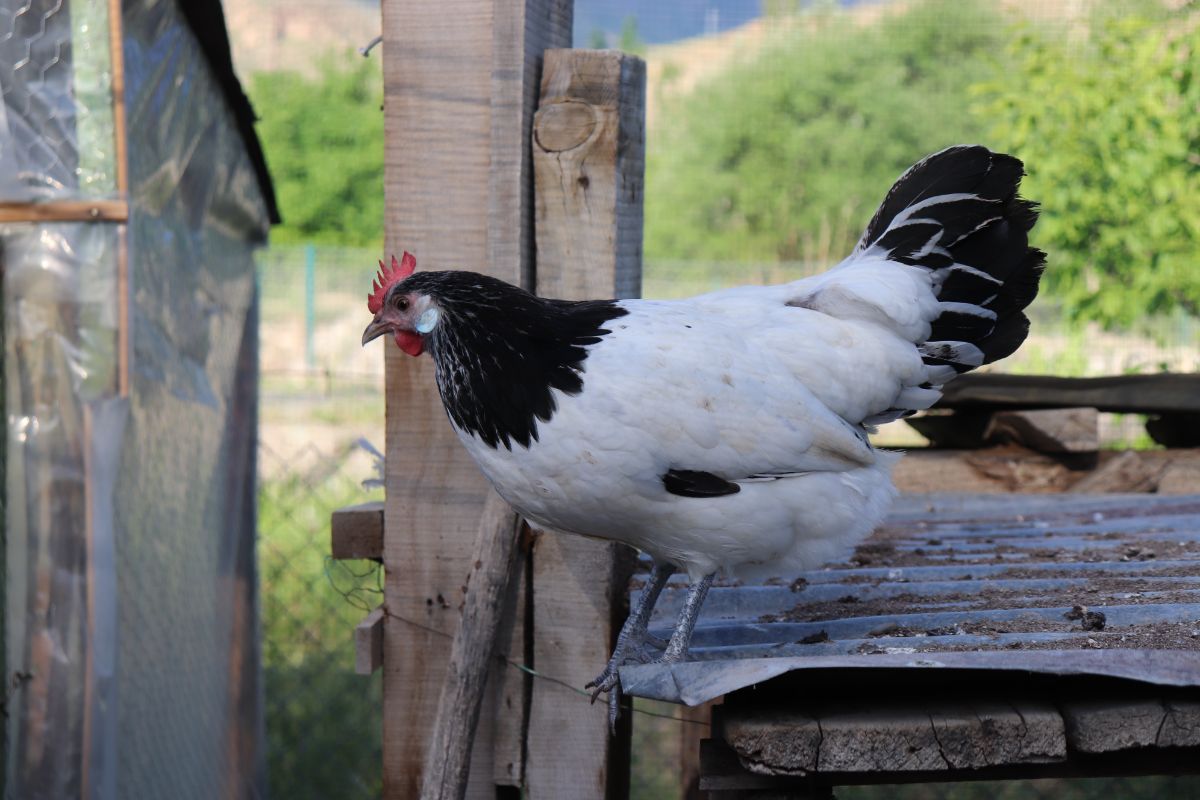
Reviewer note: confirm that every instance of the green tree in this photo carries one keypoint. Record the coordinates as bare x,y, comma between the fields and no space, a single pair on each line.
786,156
631,40
323,139
1110,131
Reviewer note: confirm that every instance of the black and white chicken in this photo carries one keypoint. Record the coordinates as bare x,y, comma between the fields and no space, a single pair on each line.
728,432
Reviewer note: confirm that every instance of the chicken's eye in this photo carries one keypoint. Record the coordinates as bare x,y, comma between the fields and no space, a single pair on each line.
402,303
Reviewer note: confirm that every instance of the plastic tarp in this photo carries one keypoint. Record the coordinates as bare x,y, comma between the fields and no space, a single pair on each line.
131,607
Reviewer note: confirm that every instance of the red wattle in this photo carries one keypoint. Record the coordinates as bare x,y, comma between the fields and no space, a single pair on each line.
410,342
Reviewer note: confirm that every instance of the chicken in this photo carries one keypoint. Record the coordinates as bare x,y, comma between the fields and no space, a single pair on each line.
728,432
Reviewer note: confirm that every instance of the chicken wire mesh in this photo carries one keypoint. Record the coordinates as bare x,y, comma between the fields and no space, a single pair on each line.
56,119
323,721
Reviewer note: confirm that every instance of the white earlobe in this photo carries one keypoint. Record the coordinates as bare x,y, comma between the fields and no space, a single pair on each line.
428,320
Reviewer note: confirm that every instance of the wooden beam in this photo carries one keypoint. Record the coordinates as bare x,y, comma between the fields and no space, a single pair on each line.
694,728
458,80
1124,472
588,156
904,737
589,152
1111,724
722,776
116,47
368,643
514,686
357,531
1048,430
66,211
471,655
1146,394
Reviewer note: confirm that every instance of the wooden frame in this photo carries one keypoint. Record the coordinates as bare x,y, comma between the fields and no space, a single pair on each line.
461,85
460,82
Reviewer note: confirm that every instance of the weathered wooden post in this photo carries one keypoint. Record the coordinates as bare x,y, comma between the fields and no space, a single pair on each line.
589,156
460,92
460,84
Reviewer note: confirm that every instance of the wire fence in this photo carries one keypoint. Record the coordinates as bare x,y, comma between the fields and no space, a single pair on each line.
323,720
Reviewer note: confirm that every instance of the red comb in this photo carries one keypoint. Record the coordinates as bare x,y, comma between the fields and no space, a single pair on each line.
389,277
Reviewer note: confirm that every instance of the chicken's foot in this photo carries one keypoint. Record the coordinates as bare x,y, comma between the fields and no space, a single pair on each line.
676,649
633,632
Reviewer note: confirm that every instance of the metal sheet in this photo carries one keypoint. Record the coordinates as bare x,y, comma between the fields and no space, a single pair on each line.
964,582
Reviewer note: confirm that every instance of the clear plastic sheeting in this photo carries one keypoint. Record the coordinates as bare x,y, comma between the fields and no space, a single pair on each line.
131,617
189,683
64,429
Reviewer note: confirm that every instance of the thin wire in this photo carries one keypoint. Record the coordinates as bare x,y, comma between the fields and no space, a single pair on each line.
354,597
355,594
534,673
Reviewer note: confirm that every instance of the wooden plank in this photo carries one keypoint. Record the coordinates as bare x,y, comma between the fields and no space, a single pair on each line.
1125,472
116,47
443,75
357,531
124,301
1109,725
368,643
723,776
903,737
588,156
589,160
471,655
66,211
514,686
694,728
1146,394
1048,430
1181,476
989,471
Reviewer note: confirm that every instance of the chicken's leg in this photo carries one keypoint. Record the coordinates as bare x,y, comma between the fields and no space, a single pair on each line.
677,647
633,632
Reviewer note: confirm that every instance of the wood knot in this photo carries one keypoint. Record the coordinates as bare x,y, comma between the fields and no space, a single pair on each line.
564,126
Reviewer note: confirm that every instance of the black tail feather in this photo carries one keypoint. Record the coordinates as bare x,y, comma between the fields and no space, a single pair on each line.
957,214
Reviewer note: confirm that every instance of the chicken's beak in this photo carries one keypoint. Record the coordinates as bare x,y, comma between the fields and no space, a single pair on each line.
377,328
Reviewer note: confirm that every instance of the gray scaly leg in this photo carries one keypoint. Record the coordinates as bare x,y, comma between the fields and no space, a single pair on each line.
677,647
634,629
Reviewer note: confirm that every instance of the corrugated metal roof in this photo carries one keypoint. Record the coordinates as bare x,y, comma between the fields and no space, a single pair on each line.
967,582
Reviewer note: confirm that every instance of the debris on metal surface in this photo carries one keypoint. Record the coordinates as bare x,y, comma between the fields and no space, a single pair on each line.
1055,584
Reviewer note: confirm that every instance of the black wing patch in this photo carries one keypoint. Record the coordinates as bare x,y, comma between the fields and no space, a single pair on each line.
695,483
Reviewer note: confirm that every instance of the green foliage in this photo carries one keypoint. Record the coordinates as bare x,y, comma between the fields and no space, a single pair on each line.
785,157
323,139
1110,130
631,41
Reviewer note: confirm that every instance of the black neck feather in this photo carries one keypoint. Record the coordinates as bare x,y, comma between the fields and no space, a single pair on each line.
500,350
